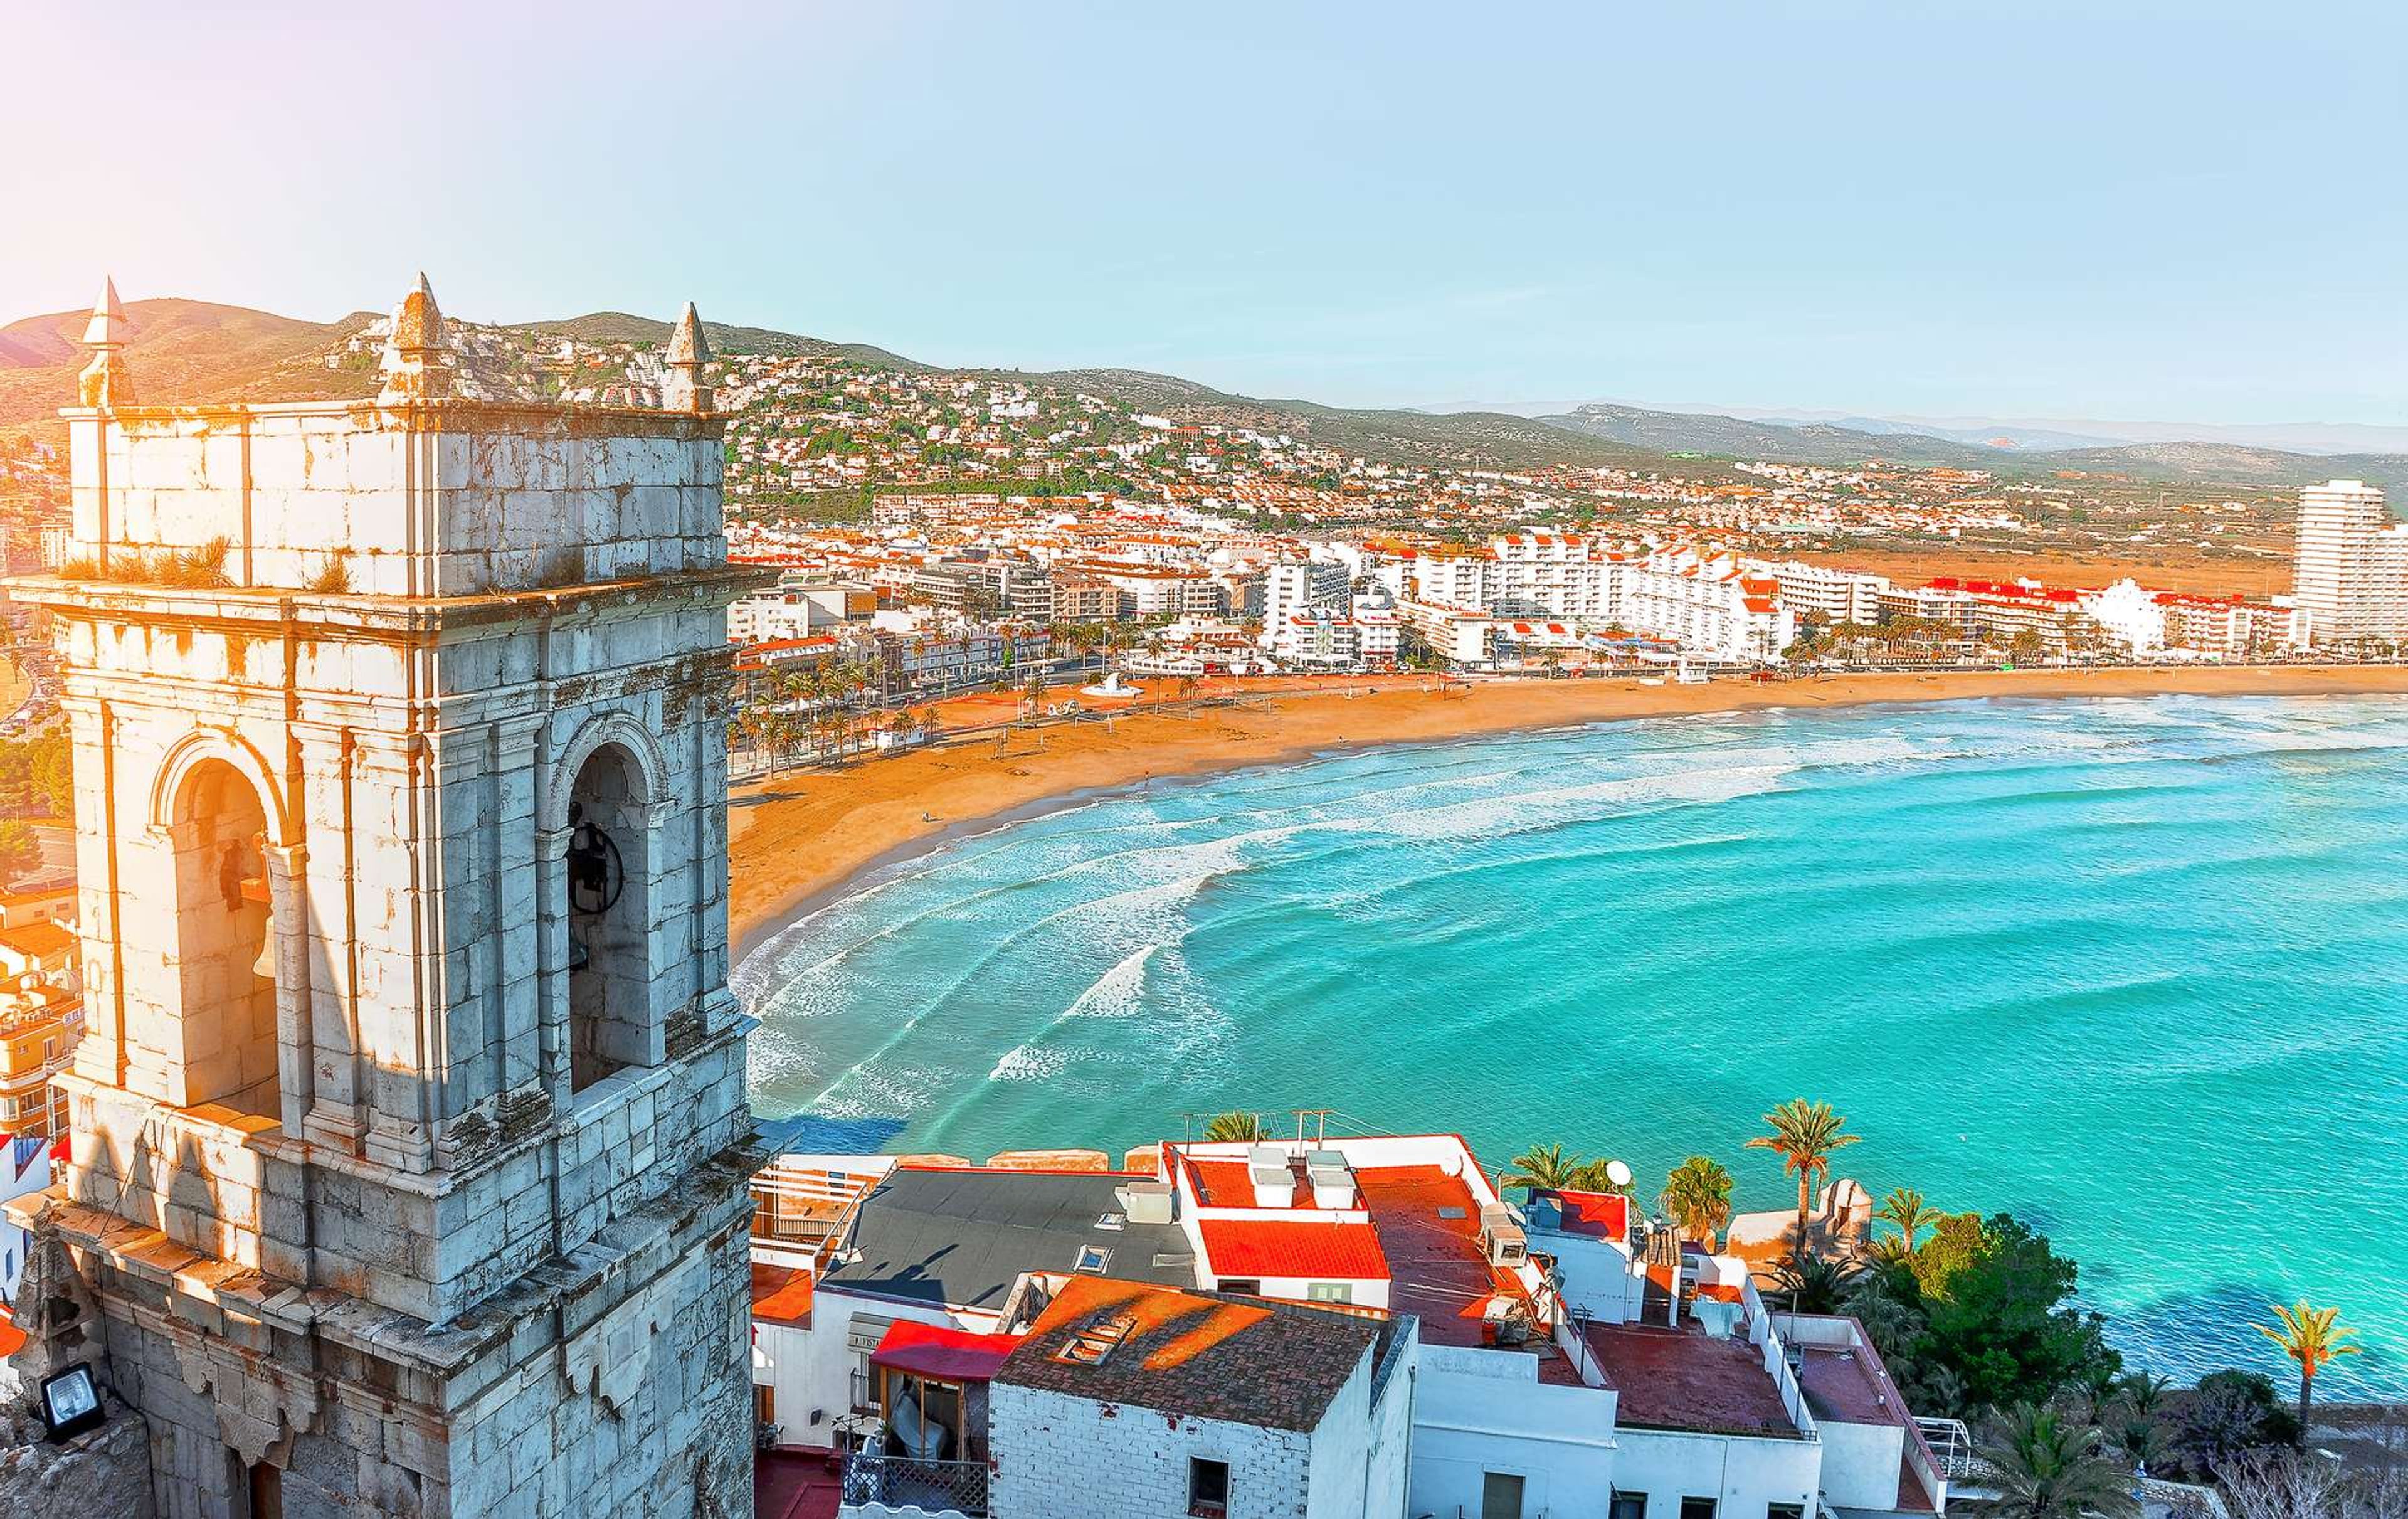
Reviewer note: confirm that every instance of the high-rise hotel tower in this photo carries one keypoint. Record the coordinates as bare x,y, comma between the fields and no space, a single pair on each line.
2352,567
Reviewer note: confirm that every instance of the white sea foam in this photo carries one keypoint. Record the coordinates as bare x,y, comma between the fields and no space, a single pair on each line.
1554,806
1118,992
1026,1062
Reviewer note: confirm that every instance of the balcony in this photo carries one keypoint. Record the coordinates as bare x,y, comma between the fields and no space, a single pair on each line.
878,1484
1951,1445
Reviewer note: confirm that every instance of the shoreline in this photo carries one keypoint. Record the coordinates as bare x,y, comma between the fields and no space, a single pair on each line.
796,842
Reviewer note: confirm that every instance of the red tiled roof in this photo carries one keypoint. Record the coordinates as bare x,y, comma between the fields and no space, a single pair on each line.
37,940
1280,1247
1220,1183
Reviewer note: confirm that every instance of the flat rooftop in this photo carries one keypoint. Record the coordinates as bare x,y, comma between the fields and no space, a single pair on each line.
1595,1215
1687,1380
1224,1182
962,1237
781,1295
1843,1385
1428,1227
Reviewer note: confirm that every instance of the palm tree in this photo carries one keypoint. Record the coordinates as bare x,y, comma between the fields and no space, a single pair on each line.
2097,1386
1698,1195
2310,1336
2044,1466
1812,1284
2142,1440
1804,1134
1544,1167
2145,1392
1904,1208
1235,1128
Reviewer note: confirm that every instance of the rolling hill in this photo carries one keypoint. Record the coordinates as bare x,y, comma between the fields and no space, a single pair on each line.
184,351
180,351
2201,464
644,332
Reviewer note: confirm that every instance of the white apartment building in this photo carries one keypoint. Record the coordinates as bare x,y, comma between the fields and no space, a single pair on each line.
1158,590
24,1168
1562,576
1703,600
1321,639
798,611
1836,596
1450,577
2230,625
2352,582
2129,616
1295,586
1462,636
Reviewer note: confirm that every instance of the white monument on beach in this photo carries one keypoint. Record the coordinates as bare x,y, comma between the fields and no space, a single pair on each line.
409,1136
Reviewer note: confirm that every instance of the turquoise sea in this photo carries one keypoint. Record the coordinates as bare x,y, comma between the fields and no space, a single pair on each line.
2136,969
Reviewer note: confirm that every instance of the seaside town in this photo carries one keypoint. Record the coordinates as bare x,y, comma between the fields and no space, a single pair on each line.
377,1133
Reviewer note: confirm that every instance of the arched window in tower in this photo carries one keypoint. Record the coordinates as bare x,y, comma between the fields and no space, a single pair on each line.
609,919
226,942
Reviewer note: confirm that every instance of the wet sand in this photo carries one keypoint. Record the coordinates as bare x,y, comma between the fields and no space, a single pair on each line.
807,833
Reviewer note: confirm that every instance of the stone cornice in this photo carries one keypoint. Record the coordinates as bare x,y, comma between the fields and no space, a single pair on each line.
372,617
447,414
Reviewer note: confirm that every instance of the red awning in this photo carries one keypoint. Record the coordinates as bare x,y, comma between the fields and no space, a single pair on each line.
932,1350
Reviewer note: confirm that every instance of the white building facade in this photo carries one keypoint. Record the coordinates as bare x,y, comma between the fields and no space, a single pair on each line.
2352,584
1701,600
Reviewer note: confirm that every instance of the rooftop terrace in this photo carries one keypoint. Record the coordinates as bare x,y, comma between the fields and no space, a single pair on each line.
1685,1379
1428,1227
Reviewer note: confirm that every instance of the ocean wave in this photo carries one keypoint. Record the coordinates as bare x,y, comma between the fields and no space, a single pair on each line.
1556,806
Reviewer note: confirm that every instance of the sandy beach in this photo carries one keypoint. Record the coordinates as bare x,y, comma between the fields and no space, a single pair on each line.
806,833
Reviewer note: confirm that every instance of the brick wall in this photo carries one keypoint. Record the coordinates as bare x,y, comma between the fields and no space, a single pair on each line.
1064,1457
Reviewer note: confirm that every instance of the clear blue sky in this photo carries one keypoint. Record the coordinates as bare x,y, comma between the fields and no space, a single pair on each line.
2180,211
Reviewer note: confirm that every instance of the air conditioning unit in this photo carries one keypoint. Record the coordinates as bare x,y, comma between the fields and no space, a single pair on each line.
1332,1179
1501,1239
1146,1202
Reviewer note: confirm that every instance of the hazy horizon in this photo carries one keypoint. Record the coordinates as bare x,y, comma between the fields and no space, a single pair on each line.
2162,217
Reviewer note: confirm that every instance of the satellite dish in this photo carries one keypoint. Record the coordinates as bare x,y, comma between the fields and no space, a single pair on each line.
1618,1173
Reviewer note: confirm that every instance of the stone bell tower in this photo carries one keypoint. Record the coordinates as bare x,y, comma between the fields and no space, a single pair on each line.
409,1136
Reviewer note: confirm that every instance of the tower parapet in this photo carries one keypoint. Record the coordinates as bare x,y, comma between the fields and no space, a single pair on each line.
409,1127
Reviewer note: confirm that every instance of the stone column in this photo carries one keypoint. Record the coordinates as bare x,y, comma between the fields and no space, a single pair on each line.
642,1026
393,947
326,921
519,894
399,946
552,960
287,919
101,1054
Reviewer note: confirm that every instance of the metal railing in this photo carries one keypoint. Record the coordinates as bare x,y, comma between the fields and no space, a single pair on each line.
935,1486
1952,1446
